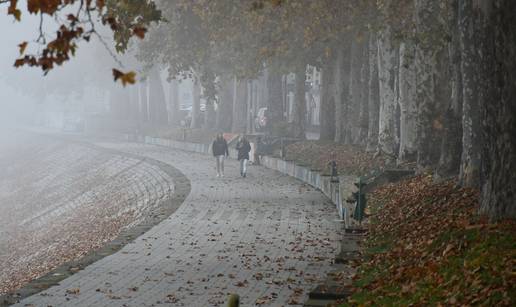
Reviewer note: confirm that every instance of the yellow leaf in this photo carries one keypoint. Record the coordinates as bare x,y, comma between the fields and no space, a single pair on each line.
125,78
22,47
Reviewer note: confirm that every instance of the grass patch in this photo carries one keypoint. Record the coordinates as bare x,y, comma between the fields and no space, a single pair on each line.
427,246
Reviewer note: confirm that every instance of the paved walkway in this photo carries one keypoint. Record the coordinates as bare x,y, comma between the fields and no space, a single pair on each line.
267,237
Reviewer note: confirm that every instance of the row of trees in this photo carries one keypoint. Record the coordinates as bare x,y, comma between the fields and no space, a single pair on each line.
424,81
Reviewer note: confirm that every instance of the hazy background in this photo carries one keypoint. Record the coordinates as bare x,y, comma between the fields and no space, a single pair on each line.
29,97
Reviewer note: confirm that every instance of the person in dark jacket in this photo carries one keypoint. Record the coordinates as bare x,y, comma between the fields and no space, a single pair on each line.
243,148
220,151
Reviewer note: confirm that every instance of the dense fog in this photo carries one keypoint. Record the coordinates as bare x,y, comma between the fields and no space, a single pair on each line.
260,152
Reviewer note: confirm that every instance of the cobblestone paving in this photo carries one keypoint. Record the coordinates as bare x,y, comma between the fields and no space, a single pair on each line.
267,237
59,200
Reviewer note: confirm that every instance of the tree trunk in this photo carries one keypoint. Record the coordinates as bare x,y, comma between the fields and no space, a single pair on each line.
426,69
174,117
387,80
275,100
157,102
134,109
407,101
144,100
239,106
499,108
451,145
196,104
337,96
300,102
471,139
354,117
327,114
341,92
364,103
225,106
210,117
374,96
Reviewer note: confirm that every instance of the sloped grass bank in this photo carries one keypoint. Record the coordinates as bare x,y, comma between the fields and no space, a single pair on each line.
428,246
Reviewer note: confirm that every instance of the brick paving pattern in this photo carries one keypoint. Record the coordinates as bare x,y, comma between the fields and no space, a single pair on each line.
267,237
61,199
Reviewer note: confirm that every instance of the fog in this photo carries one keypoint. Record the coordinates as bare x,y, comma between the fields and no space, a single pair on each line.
28,96
204,153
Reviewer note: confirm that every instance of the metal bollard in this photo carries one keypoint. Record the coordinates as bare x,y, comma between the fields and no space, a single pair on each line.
234,300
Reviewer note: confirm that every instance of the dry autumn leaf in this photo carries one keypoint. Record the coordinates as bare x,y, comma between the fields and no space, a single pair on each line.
125,78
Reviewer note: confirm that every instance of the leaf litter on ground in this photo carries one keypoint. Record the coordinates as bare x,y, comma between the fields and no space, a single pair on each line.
427,245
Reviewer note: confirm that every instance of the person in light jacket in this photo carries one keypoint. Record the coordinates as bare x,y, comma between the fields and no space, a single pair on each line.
220,151
243,148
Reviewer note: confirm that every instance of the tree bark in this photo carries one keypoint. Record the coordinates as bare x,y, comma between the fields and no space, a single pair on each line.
327,114
239,106
300,102
174,117
275,98
470,161
337,96
144,100
387,79
407,101
225,106
364,102
451,145
426,69
341,92
374,96
196,104
498,108
354,116
157,103
210,116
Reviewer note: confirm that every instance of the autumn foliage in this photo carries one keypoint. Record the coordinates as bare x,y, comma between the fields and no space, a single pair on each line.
125,18
427,246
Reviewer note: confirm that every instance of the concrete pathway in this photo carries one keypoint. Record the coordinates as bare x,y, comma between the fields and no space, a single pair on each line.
267,237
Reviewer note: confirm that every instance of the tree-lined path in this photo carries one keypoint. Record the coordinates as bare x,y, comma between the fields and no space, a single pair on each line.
267,237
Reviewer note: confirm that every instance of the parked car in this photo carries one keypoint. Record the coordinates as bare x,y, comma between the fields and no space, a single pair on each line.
260,121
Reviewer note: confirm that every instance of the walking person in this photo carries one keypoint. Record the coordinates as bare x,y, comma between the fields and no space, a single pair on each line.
220,152
243,148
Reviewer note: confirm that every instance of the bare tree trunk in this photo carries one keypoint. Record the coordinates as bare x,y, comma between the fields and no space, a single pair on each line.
341,92
426,69
174,102
144,100
275,98
133,104
337,96
374,96
451,145
196,104
225,106
327,114
157,101
387,80
407,101
300,102
499,107
470,162
364,102
210,117
239,106
356,92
